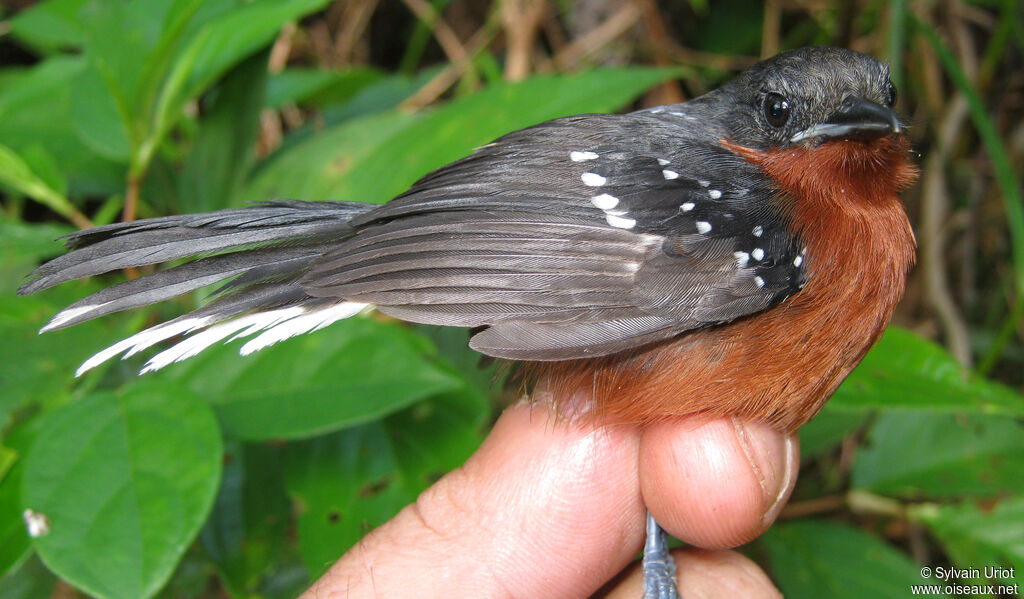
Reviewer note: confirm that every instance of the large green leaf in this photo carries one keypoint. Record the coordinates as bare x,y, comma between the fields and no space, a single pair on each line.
318,87
816,559
376,157
249,523
223,147
453,130
39,368
976,537
313,169
30,581
354,371
51,25
98,119
939,455
907,372
24,247
347,483
18,174
35,109
216,47
126,481
827,430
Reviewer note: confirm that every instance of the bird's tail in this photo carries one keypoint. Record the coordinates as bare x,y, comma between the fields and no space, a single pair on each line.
259,253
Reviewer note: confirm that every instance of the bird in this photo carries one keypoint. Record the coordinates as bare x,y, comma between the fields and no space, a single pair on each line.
733,255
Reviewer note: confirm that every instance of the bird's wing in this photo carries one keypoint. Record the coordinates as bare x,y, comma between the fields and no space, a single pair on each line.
575,238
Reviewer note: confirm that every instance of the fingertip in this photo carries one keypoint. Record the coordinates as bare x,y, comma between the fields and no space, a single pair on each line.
545,507
716,483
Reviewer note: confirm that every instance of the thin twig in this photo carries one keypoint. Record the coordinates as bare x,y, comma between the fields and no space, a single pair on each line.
818,505
770,28
354,18
433,89
522,19
587,44
443,33
669,92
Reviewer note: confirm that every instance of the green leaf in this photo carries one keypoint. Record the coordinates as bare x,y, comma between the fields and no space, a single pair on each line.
17,174
318,87
14,542
126,481
218,45
975,537
247,529
315,383
827,430
97,118
350,482
344,484
35,109
223,148
31,581
451,132
907,372
313,169
375,157
50,26
24,247
816,559
938,455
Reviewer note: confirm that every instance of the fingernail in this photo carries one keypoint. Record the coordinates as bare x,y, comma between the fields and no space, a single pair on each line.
773,458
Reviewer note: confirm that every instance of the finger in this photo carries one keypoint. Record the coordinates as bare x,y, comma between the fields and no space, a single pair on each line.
716,483
703,574
543,509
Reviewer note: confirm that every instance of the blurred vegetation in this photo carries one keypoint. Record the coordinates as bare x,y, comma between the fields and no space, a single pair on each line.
248,476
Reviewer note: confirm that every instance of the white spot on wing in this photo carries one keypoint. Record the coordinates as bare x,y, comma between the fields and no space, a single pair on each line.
582,156
703,226
686,207
714,193
798,261
662,162
758,231
758,254
593,179
670,174
605,201
704,183
741,258
759,281
620,222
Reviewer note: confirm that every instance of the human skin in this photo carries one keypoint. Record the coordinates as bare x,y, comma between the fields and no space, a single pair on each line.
555,508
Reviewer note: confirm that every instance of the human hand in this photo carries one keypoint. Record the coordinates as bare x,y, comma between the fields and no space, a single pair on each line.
549,508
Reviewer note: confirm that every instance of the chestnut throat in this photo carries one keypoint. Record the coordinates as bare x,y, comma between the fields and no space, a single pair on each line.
781,365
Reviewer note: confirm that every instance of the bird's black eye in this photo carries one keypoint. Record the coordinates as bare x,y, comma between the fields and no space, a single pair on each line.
776,109
891,99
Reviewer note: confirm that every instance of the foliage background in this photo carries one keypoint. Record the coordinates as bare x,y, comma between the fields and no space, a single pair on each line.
248,477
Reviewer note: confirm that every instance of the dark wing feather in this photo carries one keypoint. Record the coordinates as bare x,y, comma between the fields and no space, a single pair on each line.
572,239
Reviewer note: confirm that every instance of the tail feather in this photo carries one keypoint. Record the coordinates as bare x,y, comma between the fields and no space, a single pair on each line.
153,241
258,253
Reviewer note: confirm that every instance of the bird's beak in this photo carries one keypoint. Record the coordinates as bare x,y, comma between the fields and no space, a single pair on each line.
858,119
